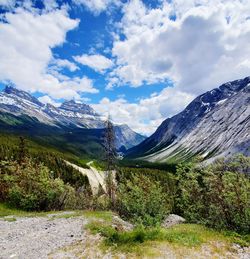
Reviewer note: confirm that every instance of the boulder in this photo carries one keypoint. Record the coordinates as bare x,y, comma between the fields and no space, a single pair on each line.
172,220
121,224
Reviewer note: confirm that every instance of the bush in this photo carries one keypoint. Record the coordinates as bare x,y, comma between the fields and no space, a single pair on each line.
166,179
32,187
217,195
142,201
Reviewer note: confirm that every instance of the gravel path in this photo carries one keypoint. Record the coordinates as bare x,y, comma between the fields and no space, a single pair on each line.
36,237
60,238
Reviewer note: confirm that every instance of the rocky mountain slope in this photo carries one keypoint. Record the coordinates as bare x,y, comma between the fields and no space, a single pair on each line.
70,115
216,123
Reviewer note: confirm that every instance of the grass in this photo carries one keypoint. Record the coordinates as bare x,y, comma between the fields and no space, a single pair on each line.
183,236
185,240
180,238
98,165
7,210
11,219
105,216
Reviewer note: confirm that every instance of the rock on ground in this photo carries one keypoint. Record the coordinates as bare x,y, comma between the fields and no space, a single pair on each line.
121,225
172,220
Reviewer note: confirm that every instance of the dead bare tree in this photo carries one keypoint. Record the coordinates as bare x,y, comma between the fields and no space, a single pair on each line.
110,159
22,151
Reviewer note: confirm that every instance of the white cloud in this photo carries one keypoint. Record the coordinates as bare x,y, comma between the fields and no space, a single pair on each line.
7,3
81,84
97,62
46,99
50,5
197,44
193,50
146,115
64,63
97,6
26,42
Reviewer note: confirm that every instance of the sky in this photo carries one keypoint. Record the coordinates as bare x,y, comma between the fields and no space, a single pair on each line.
140,61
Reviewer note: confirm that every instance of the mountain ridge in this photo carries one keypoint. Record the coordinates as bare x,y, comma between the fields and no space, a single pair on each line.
175,129
69,115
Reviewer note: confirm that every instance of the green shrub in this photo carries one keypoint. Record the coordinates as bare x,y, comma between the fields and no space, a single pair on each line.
217,195
32,187
142,201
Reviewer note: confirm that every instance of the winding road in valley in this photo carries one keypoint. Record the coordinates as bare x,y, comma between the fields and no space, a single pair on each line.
96,178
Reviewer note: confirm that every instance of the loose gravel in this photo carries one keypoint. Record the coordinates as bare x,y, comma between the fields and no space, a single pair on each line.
59,236
37,237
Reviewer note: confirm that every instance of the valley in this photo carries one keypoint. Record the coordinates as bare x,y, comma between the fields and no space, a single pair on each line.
124,129
80,186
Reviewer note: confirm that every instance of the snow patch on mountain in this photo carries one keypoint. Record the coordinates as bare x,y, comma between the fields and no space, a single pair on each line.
69,114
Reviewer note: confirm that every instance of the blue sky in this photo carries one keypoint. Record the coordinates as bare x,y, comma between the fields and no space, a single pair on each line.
93,35
140,61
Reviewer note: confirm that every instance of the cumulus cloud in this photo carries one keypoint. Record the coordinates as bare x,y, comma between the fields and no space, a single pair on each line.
50,5
59,64
196,44
97,62
189,42
26,42
47,100
146,115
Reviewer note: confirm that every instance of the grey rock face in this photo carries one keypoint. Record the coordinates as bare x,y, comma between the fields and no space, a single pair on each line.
78,107
215,123
22,94
19,102
123,133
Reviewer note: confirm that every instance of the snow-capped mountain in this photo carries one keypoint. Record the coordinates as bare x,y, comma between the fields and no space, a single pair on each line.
70,114
216,123
19,102
78,108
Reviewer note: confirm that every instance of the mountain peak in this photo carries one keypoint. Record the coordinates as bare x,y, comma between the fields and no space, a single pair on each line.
79,107
200,128
7,88
236,85
10,90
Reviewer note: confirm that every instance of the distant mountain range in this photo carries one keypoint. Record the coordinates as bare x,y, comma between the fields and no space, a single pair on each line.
22,113
216,123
